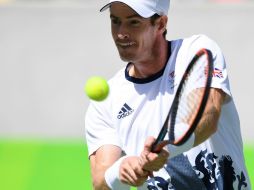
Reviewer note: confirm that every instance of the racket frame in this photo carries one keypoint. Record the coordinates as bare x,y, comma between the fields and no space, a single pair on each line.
160,142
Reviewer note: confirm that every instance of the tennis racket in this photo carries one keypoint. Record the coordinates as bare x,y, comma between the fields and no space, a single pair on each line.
189,102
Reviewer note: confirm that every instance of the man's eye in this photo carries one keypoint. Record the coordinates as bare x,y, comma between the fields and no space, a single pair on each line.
134,22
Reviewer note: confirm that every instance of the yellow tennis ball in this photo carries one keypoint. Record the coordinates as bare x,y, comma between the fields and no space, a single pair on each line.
96,88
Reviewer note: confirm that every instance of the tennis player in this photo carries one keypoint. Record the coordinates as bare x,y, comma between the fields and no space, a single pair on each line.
121,130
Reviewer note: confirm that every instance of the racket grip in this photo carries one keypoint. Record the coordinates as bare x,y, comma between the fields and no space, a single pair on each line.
158,146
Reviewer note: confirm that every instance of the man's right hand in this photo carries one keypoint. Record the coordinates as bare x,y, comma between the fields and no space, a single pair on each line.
131,172
150,161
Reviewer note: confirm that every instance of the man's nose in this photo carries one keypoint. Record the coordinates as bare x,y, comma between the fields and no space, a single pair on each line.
123,32
123,36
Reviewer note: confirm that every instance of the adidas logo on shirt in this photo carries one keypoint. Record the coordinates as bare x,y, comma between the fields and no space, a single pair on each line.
125,111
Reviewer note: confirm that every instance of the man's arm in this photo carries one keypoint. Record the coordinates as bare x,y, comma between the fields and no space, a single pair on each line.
209,121
100,161
206,127
129,172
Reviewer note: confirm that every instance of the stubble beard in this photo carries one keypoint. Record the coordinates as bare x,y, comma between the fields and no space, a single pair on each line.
126,56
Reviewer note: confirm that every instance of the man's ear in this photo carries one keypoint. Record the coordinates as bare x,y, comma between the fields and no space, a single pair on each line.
162,23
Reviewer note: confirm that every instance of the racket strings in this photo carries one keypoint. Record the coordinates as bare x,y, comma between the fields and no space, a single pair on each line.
190,98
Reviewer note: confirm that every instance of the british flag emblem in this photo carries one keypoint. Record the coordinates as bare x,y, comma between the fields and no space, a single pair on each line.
217,73
172,74
171,79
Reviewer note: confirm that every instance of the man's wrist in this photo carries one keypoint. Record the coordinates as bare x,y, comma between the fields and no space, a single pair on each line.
112,177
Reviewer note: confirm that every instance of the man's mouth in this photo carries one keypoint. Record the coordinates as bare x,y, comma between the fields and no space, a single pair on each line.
125,44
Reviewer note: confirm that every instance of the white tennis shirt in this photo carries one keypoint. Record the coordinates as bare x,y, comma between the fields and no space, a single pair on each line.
137,108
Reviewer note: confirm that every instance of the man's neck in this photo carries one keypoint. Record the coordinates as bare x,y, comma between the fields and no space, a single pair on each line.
153,65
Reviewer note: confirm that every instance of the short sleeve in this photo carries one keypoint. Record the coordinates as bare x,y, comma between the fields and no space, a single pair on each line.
99,127
220,75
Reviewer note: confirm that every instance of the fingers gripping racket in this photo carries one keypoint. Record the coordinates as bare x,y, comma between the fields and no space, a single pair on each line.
189,102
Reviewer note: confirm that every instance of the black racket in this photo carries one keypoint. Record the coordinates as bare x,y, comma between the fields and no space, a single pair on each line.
189,102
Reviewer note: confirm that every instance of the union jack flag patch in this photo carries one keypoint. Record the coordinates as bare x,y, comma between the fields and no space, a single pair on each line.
217,73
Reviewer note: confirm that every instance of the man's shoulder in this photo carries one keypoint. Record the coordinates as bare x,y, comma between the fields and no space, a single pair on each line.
198,39
192,44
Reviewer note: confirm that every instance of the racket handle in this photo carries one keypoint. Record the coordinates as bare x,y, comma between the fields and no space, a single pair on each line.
158,146
160,142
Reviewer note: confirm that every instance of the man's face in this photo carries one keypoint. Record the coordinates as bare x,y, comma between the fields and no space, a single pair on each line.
134,36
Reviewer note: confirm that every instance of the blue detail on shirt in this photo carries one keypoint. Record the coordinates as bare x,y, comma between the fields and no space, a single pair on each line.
224,178
202,176
158,184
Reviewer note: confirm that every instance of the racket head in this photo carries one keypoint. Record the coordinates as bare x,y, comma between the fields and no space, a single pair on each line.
189,101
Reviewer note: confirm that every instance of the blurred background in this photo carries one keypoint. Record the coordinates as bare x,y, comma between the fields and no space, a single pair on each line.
49,48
